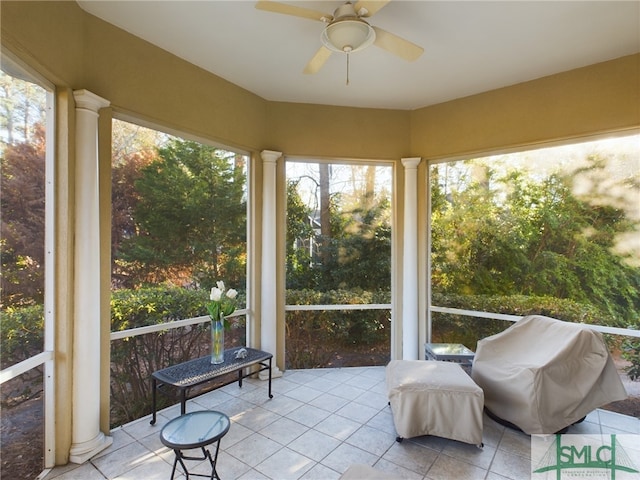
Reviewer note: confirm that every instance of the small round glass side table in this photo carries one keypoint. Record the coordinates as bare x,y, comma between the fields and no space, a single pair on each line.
195,430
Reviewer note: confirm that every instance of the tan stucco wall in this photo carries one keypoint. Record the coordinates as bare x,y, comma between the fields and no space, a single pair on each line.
592,100
338,132
74,50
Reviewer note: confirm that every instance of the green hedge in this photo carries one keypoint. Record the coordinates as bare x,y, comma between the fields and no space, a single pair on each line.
313,338
22,333
468,330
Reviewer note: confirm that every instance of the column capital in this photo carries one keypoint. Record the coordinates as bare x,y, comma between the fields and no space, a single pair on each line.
270,156
89,101
411,162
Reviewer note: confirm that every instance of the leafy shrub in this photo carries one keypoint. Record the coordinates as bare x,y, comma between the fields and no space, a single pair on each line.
313,337
22,333
631,353
22,337
467,330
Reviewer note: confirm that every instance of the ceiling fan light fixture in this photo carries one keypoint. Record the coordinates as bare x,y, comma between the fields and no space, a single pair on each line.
348,35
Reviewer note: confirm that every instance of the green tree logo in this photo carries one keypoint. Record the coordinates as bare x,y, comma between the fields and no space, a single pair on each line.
586,456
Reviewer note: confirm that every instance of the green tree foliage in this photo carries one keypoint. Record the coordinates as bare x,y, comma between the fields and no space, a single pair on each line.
300,235
360,246
124,200
514,234
22,333
354,250
22,208
190,218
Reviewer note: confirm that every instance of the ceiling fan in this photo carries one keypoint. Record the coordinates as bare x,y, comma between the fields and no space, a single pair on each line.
347,31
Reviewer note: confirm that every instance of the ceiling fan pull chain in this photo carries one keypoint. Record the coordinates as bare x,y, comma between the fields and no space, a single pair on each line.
347,69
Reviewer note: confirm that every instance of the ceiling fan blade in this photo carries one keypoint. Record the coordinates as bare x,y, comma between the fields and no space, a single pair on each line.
396,45
277,7
318,60
371,7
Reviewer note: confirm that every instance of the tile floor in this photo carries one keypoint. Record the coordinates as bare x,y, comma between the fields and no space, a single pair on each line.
318,423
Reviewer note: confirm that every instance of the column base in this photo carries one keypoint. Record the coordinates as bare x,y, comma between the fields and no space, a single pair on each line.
81,452
275,373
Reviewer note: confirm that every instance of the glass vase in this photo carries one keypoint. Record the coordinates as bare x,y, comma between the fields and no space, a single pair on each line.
217,341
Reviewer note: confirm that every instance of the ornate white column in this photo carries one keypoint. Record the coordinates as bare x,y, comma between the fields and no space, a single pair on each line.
410,325
269,312
87,439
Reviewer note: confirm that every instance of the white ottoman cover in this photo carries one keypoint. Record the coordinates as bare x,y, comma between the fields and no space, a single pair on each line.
434,398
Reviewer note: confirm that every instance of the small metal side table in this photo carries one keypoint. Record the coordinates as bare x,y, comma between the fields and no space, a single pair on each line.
195,430
449,352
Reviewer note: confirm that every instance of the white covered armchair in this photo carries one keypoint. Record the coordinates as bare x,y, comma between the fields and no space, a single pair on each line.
543,375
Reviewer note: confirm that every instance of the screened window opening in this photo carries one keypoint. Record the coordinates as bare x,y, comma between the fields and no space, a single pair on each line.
338,264
553,231
179,226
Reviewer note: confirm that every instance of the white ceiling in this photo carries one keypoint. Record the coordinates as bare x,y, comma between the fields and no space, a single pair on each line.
470,46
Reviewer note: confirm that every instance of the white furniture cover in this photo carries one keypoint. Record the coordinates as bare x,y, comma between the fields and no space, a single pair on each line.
543,375
434,398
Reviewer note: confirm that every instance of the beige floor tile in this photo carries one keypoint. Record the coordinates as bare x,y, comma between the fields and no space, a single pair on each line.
301,377
373,400
235,434
345,455
78,472
337,427
411,456
320,472
619,422
396,470
234,406
253,475
357,412
329,402
152,469
314,444
210,400
308,415
282,385
285,464
284,431
371,440
348,392
303,393
383,421
122,460
256,418
322,384
282,405
447,468
480,457
511,465
229,467
254,449
516,442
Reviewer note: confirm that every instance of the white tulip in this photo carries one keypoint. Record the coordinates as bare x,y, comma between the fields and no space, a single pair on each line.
216,294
